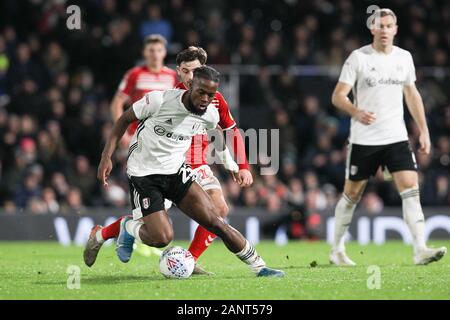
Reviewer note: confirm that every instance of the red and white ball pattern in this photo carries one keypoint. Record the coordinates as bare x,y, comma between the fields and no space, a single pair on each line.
176,262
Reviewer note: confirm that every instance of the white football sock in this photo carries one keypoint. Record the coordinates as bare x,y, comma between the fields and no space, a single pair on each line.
251,257
413,216
133,227
343,216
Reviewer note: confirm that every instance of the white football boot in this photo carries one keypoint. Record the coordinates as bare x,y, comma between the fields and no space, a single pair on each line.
428,255
341,259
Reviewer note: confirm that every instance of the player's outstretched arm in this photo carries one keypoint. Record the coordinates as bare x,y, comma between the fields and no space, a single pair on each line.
417,110
341,101
105,166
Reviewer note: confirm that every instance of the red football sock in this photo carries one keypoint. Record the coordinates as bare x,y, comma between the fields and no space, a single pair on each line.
202,239
112,230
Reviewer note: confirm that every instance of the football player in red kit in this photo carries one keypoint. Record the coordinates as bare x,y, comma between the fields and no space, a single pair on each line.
152,75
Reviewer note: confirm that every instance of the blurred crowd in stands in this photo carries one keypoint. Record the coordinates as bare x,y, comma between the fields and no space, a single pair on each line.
56,86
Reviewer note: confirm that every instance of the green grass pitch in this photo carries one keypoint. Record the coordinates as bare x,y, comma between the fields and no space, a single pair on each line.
37,270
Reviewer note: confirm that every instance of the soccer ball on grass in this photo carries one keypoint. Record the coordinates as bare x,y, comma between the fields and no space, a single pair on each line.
176,262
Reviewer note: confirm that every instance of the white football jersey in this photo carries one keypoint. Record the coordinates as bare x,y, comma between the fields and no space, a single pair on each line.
377,82
164,133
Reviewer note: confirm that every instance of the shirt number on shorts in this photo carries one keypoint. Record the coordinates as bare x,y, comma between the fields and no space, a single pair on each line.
187,174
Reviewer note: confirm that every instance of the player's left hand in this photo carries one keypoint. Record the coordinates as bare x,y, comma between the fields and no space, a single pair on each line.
104,170
244,178
425,143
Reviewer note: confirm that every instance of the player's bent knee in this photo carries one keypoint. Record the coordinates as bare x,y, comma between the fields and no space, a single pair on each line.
163,240
354,189
212,211
161,244
410,185
221,207
353,197
354,194
223,210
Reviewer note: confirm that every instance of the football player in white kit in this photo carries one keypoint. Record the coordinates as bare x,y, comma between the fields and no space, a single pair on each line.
379,75
156,169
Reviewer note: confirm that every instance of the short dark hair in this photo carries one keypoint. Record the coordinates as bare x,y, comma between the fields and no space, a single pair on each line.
192,53
155,38
208,73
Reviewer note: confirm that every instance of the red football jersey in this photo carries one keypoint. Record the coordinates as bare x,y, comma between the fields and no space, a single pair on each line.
140,80
196,155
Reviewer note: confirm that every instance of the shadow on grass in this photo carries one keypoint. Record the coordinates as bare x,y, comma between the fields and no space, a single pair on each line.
106,279
111,279
318,266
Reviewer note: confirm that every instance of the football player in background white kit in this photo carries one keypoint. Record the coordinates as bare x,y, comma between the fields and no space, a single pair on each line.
379,75
157,170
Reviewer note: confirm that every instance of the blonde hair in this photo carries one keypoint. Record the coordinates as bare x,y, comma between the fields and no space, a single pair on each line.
383,12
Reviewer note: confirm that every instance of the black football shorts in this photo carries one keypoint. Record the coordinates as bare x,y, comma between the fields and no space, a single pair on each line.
363,161
147,193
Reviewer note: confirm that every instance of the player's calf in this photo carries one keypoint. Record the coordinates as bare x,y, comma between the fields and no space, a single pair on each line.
202,237
414,217
233,240
202,240
343,216
111,231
